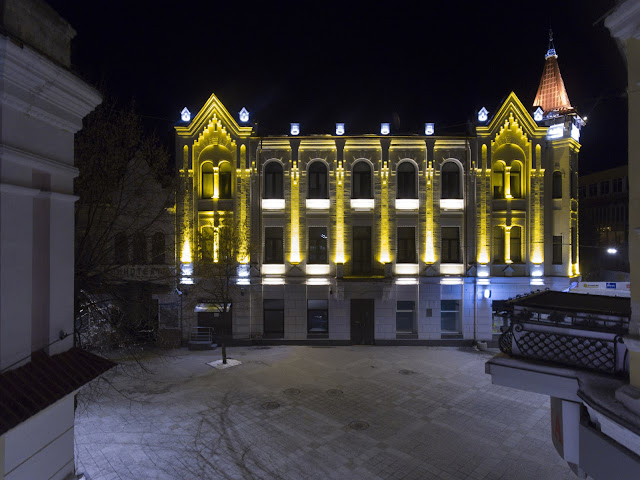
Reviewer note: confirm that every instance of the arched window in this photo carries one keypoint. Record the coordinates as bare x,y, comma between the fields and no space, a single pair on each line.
557,184
318,180
451,177
139,248
406,180
498,244
273,180
497,179
515,180
207,180
361,182
515,244
121,249
225,180
157,248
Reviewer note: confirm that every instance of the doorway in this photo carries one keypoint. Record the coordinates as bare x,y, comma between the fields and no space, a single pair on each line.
362,321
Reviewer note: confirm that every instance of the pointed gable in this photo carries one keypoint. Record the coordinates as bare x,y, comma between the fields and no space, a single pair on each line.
552,96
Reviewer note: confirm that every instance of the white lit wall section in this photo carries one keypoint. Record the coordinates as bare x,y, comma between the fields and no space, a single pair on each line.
407,269
451,204
318,281
362,204
243,270
407,204
537,271
555,131
243,281
273,203
273,281
483,270
452,268
484,281
273,269
451,281
318,269
406,281
537,281
318,203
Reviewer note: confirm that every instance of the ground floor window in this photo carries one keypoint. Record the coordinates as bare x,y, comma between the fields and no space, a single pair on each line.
273,318
405,315
317,317
450,316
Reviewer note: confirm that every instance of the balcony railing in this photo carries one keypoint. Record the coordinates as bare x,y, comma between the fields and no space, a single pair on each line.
597,345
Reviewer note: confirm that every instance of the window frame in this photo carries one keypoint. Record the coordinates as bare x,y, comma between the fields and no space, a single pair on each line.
446,184
273,182
357,182
406,245
449,258
399,310
322,191
208,181
314,258
405,178
273,246
324,312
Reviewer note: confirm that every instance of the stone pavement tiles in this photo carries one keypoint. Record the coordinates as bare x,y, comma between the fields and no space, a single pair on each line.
295,412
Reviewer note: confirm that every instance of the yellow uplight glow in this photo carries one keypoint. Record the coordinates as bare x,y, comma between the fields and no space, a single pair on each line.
385,257
186,251
339,214
295,216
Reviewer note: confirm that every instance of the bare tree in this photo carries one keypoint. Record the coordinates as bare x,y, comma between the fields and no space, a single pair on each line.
124,191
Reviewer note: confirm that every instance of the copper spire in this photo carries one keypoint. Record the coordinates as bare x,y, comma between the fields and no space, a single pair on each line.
552,96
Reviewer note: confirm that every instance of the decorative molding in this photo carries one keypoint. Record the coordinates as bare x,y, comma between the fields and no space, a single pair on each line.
14,154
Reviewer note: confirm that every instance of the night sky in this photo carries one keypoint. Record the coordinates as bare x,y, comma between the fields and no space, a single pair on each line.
358,63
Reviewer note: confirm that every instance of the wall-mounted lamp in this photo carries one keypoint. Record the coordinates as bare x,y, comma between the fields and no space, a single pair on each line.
339,128
429,128
244,115
185,115
537,115
483,115
384,129
295,129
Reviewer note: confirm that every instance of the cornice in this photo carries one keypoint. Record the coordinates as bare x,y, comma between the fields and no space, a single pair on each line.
624,21
213,106
10,153
36,86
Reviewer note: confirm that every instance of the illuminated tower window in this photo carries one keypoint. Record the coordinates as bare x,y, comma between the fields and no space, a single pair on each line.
515,180
225,180
361,184
273,180
207,180
318,180
407,180
451,180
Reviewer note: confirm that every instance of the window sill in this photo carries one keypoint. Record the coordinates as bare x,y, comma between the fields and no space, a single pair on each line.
273,203
317,335
362,204
406,336
452,204
407,204
318,203
451,336
318,269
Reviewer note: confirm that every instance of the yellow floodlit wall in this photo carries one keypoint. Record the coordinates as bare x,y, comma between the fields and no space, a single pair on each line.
385,256
429,249
339,212
295,214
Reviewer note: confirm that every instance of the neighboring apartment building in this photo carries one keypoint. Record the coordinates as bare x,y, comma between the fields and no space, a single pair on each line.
604,225
43,105
379,238
555,340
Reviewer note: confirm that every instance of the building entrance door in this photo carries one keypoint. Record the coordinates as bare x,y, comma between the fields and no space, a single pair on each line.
362,321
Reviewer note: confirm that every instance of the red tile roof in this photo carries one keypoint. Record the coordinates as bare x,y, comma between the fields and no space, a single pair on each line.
551,93
35,386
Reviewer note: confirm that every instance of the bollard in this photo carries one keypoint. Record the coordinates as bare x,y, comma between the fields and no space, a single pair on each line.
224,354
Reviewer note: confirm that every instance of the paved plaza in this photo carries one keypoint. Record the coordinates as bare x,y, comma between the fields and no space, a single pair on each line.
295,412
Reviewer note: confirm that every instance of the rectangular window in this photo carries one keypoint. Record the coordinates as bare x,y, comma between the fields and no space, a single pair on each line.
273,245
593,190
617,185
450,245
405,316
574,245
498,244
604,187
406,245
361,254
557,185
557,249
273,318
450,316
582,191
317,245
317,317
515,244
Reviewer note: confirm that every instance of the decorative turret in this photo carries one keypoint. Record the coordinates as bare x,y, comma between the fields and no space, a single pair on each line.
552,96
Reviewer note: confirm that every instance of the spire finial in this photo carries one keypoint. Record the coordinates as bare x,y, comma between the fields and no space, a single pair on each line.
551,52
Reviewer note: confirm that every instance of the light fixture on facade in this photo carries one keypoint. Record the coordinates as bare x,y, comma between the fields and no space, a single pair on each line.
483,115
487,293
575,133
429,128
243,270
555,131
612,250
384,129
185,115
339,128
243,281
295,129
537,115
244,115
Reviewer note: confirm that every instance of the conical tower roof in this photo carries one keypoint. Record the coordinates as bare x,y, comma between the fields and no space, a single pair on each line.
552,96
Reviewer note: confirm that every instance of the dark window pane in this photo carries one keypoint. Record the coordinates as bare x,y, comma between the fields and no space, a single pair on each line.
317,316
207,180
273,181
498,244
451,180
406,245
224,181
361,256
273,318
273,245
318,180
121,249
317,245
450,245
361,182
557,185
450,315
406,180
157,248
557,249
139,248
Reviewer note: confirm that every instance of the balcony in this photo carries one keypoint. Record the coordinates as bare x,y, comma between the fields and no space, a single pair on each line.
574,330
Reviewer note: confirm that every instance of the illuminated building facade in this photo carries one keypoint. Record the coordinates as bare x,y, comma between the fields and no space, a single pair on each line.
381,238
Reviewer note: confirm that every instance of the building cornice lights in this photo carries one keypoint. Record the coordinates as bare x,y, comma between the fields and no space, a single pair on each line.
537,115
555,131
295,129
575,133
339,128
483,115
429,128
384,129
185,115
244,115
